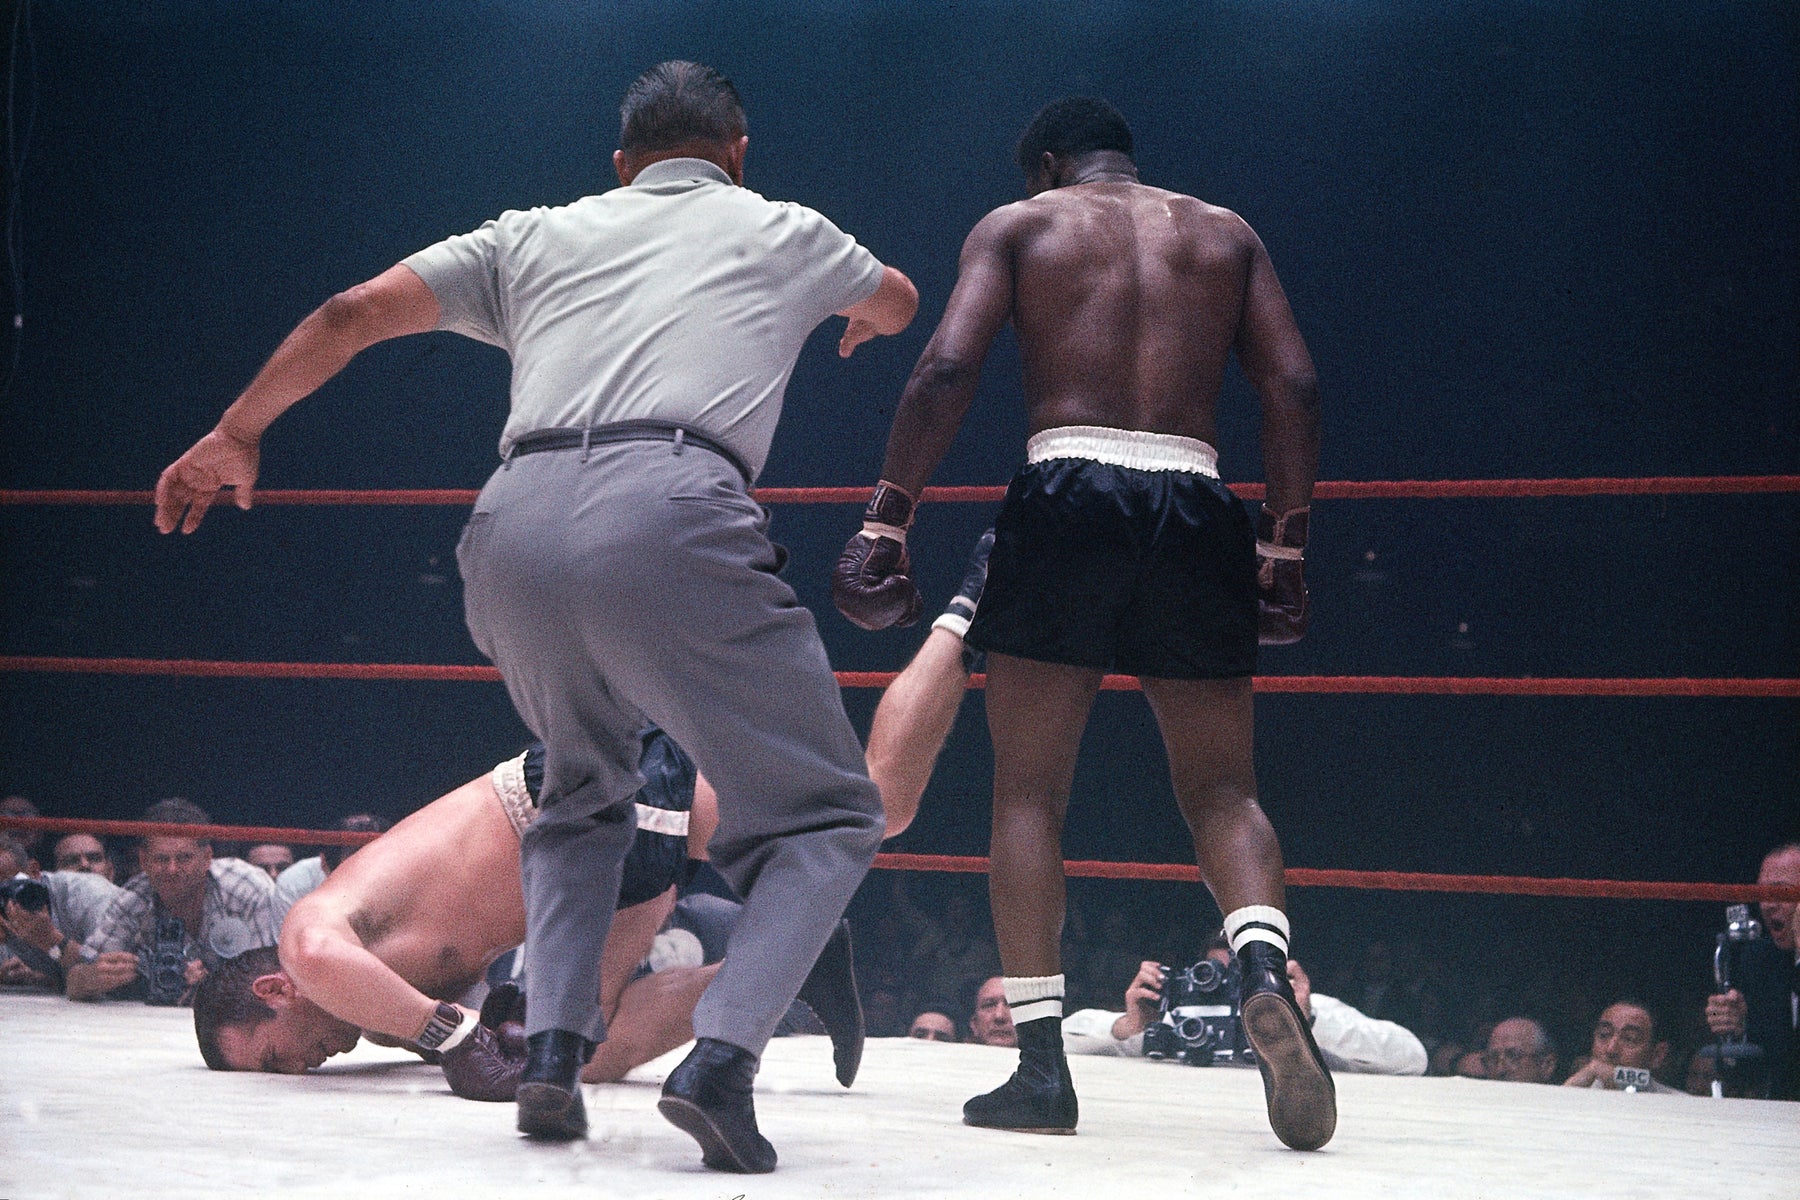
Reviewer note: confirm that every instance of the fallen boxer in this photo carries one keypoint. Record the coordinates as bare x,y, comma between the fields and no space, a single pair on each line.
413,919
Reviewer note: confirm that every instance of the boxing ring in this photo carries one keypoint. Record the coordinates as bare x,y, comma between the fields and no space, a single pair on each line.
112,1098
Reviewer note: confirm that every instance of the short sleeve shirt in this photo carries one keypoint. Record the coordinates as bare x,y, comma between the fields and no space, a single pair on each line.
238,914
680,298
78,899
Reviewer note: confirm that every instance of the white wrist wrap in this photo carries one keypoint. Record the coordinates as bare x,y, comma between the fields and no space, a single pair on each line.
458,1034
440,1033
875,529
955,622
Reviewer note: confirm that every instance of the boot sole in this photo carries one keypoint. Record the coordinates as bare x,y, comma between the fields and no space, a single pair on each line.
1302,1099
716,1151
551,1114
1057,1131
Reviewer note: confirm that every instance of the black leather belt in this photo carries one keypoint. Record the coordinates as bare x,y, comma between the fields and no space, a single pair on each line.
570,438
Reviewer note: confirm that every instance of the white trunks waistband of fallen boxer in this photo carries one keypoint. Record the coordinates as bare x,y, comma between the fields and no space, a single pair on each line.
1134,449
515,798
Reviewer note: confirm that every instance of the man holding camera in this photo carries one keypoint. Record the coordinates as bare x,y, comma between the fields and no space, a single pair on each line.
1349,1040
177,919
44,917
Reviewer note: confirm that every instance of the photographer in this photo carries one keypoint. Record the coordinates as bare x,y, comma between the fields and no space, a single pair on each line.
177,919
1349,1040
44,917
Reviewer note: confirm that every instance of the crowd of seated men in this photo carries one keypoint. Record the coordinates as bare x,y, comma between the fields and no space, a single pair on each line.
149,919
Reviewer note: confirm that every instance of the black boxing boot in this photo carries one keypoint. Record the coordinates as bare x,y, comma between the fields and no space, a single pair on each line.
1301,1096
1040,1096
830,991
549,1091
708,1097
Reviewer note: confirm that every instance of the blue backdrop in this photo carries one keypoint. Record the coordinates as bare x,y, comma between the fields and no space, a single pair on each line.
1523,239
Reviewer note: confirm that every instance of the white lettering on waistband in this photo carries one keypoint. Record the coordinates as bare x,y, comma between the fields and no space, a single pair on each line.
1134,449
662,820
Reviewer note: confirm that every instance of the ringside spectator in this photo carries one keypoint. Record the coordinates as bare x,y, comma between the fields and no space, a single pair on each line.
182,915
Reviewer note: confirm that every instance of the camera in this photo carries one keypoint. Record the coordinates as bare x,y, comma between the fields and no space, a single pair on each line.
1200,1024
163,963
29,894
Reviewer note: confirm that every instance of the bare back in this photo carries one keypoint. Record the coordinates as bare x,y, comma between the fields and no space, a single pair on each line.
1127,301
437,897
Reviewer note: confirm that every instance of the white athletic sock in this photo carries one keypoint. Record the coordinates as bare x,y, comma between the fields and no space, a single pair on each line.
1257,923
1034,997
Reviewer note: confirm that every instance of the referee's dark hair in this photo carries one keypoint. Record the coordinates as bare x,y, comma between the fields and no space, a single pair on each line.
676,103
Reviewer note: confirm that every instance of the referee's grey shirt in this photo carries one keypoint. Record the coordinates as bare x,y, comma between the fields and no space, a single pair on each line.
680,298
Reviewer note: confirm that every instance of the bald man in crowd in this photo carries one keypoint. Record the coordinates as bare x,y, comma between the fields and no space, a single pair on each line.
1519,1051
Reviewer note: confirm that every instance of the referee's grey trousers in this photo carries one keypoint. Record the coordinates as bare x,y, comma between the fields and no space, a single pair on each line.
635,582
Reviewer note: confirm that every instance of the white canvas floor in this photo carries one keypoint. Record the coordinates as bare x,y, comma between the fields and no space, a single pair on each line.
112,1100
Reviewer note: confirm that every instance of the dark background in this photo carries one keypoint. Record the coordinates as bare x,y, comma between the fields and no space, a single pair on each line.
1523,240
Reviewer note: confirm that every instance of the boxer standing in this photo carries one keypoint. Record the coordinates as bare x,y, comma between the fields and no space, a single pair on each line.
1118,549
617,571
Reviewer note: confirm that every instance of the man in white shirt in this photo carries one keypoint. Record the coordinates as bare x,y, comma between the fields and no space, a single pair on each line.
1349,1040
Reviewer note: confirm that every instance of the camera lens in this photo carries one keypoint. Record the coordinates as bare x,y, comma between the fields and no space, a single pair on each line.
29,894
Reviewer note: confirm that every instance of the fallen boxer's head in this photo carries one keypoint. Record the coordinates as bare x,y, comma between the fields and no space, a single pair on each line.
248,1016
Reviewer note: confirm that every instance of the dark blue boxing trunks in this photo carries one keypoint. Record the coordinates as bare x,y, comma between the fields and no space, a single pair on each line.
658,857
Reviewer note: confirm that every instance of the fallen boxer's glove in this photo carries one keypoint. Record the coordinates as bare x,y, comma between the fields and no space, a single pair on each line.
1281,610
872,585
505,1002
486,1065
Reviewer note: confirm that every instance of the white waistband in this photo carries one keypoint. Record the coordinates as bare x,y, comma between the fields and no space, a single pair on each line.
515,797
1135,449
651,819
521,809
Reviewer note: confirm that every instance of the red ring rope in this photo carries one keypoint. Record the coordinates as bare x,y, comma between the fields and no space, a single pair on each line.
1659,485
1392,685
1296,876
1405,881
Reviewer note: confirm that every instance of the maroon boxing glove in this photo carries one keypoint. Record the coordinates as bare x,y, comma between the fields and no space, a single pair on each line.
486,1065
872,585
1281,610
504,1002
